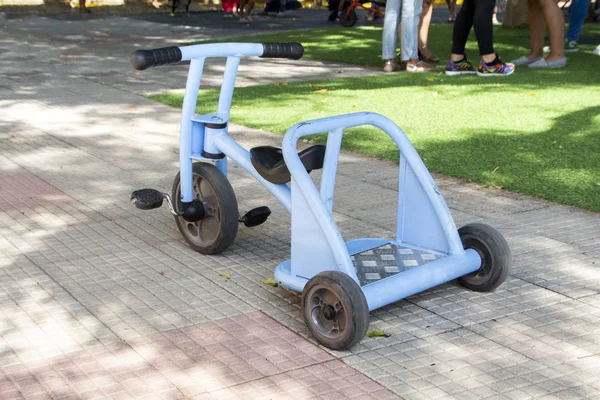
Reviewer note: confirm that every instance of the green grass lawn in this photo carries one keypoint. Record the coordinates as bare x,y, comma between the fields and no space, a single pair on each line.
535,132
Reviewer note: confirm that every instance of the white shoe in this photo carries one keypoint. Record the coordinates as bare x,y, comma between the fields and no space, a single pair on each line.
596,51
525,61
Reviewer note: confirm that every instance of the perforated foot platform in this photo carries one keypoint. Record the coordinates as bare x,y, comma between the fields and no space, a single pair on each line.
387,260
269,163
147,199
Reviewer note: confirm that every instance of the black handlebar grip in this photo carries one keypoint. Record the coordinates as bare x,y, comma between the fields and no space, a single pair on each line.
291,50
144,59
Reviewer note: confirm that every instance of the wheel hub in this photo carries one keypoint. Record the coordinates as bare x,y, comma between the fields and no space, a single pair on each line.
329,312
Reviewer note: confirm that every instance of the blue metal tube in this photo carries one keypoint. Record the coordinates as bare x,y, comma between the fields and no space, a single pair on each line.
406,149
231,68
185,133
220,50
242,157
418,279
332,153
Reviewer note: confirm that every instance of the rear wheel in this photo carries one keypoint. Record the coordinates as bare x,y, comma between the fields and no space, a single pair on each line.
496,257
348,19
214,233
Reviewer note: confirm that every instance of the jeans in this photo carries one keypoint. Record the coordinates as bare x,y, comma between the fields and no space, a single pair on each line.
408,13
579,10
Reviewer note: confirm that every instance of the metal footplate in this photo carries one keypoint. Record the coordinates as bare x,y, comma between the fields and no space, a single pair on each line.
387,260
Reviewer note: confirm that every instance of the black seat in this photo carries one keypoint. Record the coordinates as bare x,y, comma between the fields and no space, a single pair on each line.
269,162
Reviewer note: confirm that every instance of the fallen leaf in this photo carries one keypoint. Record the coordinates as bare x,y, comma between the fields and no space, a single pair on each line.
276,84
430,79
378,333
532,94
137,72
132,109
284,83
226,276
162,273
310,85
270,282
321,91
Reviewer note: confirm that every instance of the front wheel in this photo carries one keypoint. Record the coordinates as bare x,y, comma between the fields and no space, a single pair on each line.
496,257
214,233
335,310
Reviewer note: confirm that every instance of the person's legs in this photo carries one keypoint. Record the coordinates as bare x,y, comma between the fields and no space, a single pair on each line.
424,53
82,6
411,13
249,9
484,30
462,28
390,29
282,6
451,9
553,17
579,10
424,23
242,11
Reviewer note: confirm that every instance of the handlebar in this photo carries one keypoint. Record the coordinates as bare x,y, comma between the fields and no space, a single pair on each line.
144,59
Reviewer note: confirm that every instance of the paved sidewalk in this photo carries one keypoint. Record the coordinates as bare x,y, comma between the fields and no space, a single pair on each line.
100,300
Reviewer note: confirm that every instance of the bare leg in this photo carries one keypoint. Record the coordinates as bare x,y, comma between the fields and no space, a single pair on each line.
540,13
424,23
242,10
556,28
82,7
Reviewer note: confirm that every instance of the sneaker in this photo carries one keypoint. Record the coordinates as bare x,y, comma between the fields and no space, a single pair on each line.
498,69
459,68
570,47
596,51
420,66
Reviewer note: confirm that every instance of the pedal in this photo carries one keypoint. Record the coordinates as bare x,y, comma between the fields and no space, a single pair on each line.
147,199
256,216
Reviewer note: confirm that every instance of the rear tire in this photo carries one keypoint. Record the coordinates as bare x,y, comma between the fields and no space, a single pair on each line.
214,233
348,20
496,257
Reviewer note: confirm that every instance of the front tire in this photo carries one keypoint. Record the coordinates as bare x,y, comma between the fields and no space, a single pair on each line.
496,257
214,233
335,310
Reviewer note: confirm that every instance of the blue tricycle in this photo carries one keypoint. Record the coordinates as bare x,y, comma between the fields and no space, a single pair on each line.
340,282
